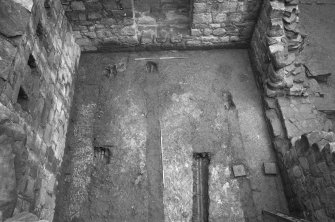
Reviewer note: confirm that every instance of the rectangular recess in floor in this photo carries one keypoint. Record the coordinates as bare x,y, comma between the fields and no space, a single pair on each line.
200,186
102,155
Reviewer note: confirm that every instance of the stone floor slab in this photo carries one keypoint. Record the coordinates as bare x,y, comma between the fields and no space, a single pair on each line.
270,168
239,170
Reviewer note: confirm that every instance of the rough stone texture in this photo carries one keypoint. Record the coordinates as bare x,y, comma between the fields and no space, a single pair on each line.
234,20
310,166
275,46
12,158
7,53
13,18
28,4
38,62
239,171
300,116
24,217
270,168
275,51
10,133
107,25
288,119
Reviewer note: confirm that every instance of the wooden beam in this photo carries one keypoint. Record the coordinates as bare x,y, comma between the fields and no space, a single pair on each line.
159,58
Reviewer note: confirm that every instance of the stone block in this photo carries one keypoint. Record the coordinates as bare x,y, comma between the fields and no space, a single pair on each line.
82,16
313,137
276,31
162,35
321,215
276,48
270,168
328,126
83,41
110,5
90,35
93,15
13,18
208,31
234,38
296,171
176,39
28,4
224,39
8,194
93,6
235,17
195,32
202,18
228,6
304,163
200,7
215,25
323,167
108,21
7,55
77,5
280,59
147,37
220,17
239,170
29,192
275,123
210,39
193,43
146,20
128,30
219,32
23,217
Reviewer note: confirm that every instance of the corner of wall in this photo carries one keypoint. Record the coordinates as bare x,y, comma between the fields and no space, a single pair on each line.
299,132
37,84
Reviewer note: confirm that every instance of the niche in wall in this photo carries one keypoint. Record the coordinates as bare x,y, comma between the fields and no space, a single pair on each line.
23,99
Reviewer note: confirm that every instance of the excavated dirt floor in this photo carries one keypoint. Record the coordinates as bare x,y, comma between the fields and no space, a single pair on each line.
152,123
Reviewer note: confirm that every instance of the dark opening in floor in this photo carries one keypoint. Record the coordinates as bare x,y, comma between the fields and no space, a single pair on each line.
101,155
200,186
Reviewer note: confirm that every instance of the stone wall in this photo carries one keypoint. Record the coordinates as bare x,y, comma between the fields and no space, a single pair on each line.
217,22
106,25
288,119
276,42
301,135
310,164
37,66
